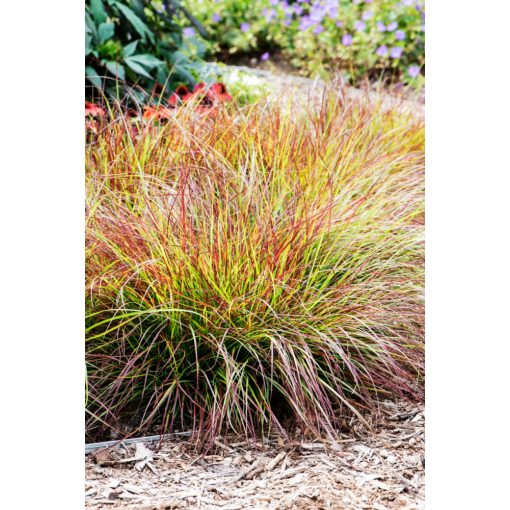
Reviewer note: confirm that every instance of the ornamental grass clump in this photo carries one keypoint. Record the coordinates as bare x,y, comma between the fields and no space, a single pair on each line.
253,270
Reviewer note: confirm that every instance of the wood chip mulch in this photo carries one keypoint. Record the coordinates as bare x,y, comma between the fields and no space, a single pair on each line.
381,469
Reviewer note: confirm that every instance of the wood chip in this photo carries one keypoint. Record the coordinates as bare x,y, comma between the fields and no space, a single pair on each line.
219,444
274,462
143,453
132,488
246,472
293,471
313,446
113,483
256,471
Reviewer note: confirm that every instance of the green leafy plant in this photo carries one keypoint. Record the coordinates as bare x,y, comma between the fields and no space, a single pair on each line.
130,42
247,267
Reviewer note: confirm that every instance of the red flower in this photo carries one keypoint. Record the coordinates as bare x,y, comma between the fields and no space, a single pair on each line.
204,96
219,92
93,110
151,113
202,93
181,95
200,87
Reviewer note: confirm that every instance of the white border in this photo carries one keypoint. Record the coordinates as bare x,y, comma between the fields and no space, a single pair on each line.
42,259
468,153
468,143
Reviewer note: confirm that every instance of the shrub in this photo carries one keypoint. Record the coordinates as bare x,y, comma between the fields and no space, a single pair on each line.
248,267
131,42
323,36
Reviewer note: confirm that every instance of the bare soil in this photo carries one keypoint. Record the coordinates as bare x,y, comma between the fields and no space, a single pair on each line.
379,468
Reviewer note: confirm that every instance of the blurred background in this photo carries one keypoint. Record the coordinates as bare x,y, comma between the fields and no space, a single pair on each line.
134,47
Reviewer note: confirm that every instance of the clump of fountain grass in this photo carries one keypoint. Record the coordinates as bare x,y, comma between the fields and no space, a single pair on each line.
252,268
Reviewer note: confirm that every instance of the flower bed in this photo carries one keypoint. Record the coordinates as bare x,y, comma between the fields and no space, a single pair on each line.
322,36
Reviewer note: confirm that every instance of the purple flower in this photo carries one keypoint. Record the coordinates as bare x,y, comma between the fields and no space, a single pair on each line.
382,50
331,8
265,56
339,24
408,3
368,1
400,35
305,23
298,9
392,26
316,15
273,2
423,27
381,27
413,71
216,17
245,27
288,11
367,15
360,26
396,52
188,32
271,15
318,29
286,22
347,39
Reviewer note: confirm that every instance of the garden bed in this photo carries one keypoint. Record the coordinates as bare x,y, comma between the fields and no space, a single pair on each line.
378,469
222,303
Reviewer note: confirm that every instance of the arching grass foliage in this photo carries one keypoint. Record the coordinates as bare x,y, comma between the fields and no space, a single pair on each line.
252,268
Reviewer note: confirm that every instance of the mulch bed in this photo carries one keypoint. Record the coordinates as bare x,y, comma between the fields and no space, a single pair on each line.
377,469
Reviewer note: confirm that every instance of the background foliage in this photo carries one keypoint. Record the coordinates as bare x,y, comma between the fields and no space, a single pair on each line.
322,36
132,42
132,45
